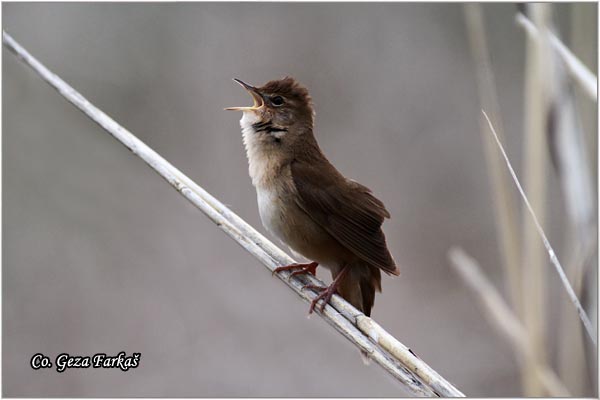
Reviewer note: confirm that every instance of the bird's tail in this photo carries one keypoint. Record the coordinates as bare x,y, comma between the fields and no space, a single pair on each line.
358,286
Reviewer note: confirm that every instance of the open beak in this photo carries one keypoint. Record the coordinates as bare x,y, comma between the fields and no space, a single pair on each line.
256,96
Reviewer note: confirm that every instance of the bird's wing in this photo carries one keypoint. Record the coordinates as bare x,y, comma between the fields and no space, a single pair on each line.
346,210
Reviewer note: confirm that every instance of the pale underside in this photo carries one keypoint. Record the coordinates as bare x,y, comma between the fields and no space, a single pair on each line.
279,212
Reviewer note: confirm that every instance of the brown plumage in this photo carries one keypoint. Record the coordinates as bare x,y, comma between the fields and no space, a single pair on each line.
306,202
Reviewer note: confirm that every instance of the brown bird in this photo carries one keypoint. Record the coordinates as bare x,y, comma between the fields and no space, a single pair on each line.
306,202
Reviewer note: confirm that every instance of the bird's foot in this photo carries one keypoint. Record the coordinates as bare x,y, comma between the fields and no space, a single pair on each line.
302,269
327,292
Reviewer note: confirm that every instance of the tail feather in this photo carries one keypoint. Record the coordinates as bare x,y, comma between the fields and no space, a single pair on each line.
358,286
368,287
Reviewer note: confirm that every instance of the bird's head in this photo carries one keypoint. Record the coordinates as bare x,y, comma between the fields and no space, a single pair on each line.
282,110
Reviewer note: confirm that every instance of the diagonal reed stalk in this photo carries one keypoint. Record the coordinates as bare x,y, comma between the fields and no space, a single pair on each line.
580,73
585,320
414,374
501,316
570,155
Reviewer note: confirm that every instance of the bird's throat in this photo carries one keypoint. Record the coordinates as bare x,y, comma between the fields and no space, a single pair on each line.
264,161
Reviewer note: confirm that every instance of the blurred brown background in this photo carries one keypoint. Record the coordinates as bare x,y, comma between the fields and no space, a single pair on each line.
101,255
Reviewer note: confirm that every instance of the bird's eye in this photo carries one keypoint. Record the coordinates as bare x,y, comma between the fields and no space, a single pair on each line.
277,101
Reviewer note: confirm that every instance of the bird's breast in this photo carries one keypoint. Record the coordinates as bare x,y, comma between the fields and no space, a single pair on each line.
271,211
283,218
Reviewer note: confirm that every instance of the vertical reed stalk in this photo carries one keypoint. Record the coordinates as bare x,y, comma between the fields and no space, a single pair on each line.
537,78
504,202
574,371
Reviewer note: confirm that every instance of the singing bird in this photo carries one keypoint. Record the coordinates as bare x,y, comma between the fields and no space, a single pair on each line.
306,202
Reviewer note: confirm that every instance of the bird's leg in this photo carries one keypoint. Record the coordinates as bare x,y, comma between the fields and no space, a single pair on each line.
326,292
310,268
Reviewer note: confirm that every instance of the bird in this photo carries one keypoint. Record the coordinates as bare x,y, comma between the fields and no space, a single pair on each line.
305,202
